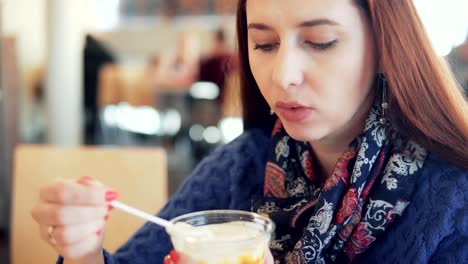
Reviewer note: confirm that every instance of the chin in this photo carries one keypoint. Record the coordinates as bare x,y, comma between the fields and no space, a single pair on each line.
305,133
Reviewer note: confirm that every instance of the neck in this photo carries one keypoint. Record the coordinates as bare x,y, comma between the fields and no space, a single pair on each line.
328,149
327,154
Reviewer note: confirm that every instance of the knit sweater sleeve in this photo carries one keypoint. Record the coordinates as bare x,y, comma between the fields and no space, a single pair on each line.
434,226
453,247
210,187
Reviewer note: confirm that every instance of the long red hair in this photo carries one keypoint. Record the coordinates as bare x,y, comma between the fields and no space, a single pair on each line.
425,102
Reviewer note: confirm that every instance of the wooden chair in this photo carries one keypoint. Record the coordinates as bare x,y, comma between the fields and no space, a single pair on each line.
138,174
125,84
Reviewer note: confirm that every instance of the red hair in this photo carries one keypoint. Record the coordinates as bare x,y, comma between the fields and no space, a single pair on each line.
425,102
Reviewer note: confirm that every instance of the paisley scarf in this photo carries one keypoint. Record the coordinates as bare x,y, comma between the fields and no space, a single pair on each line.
336,219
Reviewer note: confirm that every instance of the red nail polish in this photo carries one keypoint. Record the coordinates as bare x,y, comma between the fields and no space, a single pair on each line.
111,196
98,233
106,217
174,256
109,207
167,260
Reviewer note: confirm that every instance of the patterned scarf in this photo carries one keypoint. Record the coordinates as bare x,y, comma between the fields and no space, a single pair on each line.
335,219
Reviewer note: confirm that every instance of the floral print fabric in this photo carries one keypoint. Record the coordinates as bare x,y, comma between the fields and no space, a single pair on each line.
335,219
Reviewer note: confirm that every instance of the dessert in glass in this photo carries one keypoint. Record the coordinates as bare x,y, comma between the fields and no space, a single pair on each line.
222,236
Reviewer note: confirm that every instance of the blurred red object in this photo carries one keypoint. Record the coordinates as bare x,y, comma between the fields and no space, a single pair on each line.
172,258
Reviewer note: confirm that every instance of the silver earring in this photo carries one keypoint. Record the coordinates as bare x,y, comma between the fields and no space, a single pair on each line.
271,112
383,120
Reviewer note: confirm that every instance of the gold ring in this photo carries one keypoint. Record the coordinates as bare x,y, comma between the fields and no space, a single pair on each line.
50,234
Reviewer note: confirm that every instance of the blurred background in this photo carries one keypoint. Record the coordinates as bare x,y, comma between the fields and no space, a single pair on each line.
146,73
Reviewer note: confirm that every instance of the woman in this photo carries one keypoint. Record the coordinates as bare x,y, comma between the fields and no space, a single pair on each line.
362,161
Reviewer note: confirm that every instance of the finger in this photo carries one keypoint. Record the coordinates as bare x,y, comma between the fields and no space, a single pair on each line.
64,192
56,215
71,234
44,232
80,249
89,181
172,258
185,259
269,257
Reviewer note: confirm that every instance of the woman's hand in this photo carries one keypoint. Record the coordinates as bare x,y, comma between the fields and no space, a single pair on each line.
71,218
269,258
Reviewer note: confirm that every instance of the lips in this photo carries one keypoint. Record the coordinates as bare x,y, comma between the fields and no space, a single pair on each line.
293,111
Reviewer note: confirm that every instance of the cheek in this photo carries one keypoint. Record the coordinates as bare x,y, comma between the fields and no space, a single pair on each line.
261,75
343,88
354,74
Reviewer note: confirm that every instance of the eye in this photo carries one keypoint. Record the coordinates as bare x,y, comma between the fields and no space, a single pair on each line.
322,45
265,47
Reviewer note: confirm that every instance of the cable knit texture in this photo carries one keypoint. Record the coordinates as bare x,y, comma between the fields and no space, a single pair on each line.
433,229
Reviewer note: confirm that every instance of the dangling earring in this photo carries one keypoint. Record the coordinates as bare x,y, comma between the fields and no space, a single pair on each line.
271,112
383,120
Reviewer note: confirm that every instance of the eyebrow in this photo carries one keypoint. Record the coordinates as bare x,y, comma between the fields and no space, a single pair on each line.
304,24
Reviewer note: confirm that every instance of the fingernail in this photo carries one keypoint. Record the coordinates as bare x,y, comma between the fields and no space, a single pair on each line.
86,180
98,233
109,207
174,256
106,217
167,260
111,196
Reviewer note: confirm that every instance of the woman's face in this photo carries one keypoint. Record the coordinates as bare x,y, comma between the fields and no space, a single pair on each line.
314,62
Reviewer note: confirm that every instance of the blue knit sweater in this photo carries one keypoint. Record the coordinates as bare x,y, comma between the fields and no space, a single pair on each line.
432,229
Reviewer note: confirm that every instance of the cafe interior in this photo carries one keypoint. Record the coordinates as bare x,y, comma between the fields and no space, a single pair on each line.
132,92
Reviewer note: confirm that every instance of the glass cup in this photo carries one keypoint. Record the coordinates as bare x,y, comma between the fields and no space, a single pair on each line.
223,237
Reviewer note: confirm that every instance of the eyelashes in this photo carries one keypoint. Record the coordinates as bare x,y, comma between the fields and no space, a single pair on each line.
265,47
320,46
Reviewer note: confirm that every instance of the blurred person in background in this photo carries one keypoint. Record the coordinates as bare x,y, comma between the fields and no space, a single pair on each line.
363,159
178,70
95,56
216,67
458,60
218,63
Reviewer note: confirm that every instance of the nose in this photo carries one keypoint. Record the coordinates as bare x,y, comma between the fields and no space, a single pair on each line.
288,69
